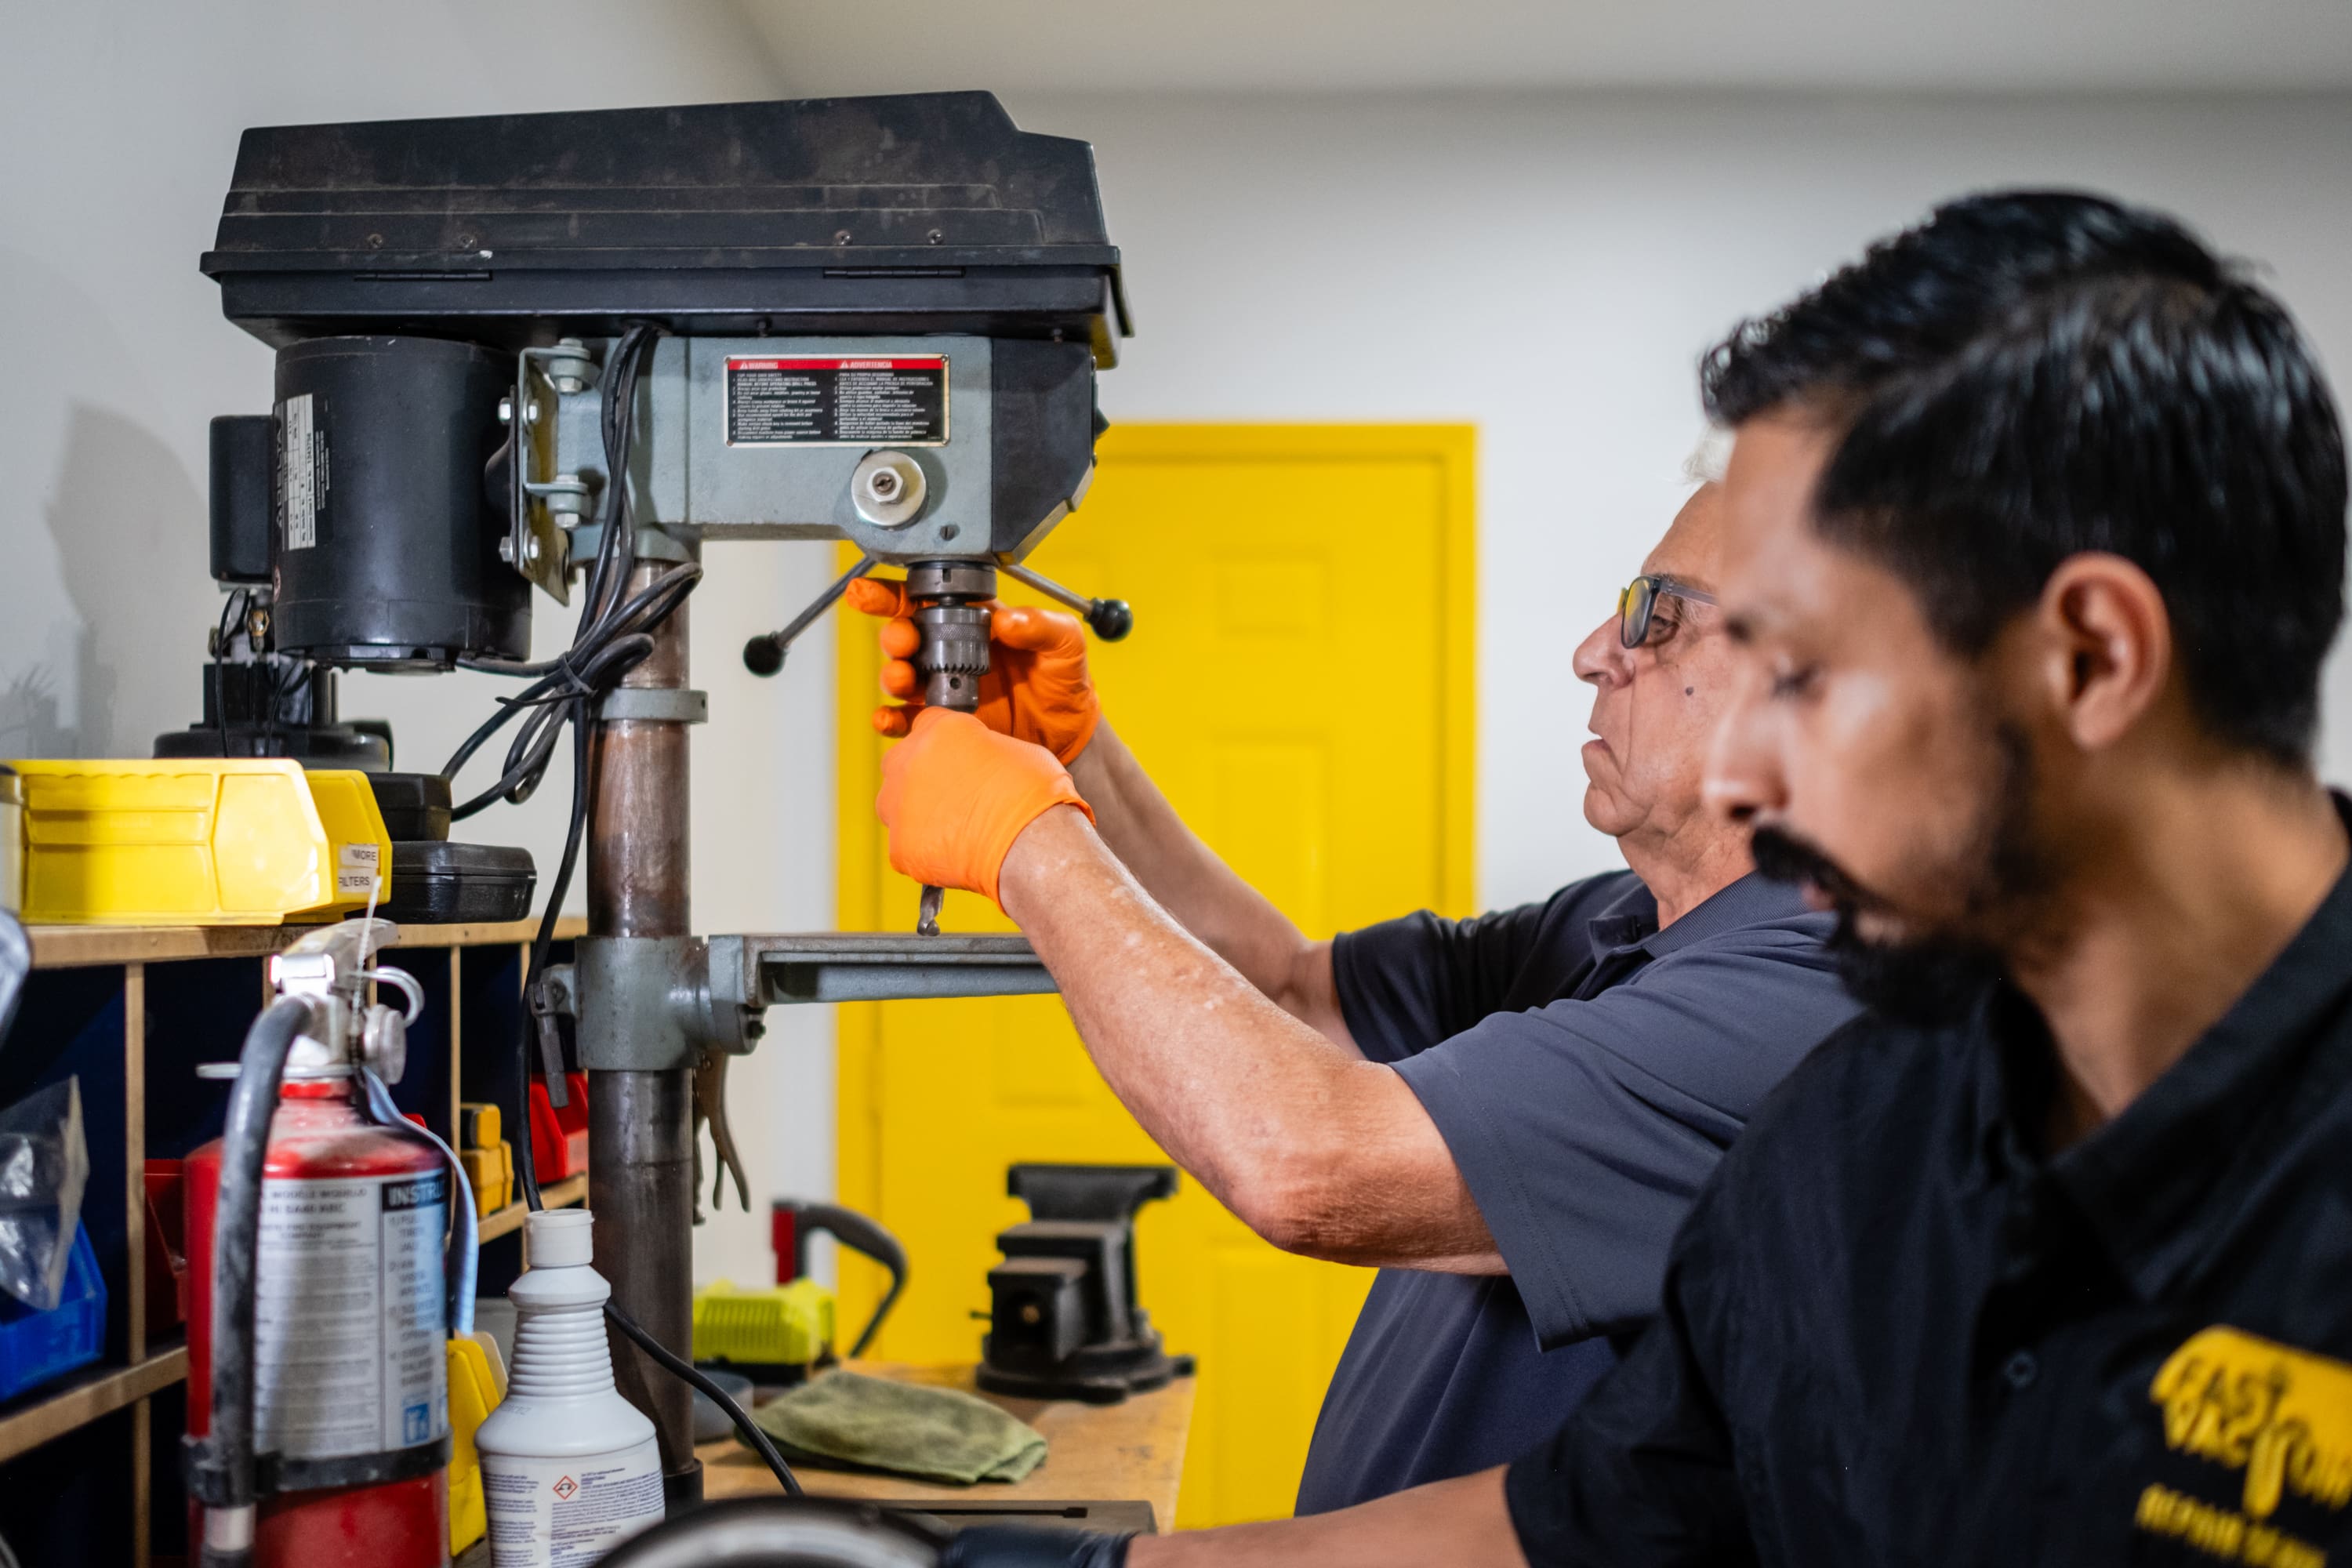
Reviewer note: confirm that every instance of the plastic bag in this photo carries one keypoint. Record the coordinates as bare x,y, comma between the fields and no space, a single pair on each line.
16,962
44,1165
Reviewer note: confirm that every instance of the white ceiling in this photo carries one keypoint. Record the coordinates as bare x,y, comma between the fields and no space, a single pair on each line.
835,46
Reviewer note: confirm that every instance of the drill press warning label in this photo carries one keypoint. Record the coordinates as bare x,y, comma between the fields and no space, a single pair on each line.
884,400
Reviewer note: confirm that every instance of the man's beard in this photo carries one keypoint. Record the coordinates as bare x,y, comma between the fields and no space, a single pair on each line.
1935,980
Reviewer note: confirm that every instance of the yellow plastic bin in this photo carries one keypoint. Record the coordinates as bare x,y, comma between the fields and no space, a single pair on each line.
197,841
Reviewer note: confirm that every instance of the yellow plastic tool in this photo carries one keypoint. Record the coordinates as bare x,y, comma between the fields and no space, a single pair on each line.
199,841
491,1174
769,1324
473,1394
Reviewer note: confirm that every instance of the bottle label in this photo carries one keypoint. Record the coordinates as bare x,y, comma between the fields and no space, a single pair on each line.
349,1325
568,1512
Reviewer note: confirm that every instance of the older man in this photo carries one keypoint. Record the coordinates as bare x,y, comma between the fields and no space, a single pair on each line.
2037,549
1510,1115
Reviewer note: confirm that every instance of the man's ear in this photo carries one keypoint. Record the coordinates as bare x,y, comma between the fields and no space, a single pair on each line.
2108,643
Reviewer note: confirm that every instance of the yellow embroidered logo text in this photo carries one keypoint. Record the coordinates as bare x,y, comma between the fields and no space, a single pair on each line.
2282,1415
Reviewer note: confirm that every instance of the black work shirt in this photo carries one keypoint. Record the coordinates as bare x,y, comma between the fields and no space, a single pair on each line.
1894,1334
1587,1070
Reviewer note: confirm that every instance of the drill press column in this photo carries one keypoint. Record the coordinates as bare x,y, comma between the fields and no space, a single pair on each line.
641,1128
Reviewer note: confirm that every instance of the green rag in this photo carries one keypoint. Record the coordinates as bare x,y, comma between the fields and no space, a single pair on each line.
845,1421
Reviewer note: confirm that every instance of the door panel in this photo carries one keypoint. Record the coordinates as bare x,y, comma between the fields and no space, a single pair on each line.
1299,683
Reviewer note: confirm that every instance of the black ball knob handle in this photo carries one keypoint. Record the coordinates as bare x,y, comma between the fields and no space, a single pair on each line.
763,655
1111,618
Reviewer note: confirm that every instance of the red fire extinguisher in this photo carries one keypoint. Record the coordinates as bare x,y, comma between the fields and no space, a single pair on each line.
318,1415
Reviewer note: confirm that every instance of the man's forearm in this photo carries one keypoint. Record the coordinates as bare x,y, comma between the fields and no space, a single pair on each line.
1464,1520
1185,877
1315,1148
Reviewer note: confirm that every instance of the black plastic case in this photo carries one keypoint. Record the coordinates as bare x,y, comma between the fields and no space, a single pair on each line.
436,882
415,806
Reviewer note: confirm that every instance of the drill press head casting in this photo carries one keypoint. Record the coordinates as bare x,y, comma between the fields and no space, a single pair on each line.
882,320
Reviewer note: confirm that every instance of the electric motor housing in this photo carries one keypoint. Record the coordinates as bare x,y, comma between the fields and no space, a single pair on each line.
384,533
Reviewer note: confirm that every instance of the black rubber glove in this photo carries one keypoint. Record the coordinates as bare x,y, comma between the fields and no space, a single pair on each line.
1025,1546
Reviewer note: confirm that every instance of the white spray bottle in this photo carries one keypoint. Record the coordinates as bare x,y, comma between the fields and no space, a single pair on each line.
569,1468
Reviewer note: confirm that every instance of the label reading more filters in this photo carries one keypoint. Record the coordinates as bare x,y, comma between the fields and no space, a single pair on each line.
357,867
838,400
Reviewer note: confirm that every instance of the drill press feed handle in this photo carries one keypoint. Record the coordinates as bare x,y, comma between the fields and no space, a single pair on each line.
1109,619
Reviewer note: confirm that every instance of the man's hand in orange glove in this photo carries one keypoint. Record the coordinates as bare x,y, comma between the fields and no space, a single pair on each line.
955,795
1036,688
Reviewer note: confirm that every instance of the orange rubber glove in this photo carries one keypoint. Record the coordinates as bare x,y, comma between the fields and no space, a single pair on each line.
1036,688
955,795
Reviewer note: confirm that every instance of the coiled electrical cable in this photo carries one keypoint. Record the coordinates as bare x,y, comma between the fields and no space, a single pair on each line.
614,636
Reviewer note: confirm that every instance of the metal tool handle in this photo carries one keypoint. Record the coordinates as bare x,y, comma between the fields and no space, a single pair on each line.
764,653
1110,619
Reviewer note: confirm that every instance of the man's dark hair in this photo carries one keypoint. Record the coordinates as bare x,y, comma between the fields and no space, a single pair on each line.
2030,374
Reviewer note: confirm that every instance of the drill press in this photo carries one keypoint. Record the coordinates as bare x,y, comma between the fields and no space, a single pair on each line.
570,351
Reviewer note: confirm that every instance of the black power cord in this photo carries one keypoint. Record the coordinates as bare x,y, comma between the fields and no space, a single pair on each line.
615,631
678,1365
614,636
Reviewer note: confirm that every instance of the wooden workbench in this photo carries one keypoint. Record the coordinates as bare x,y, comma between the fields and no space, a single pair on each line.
1094,1453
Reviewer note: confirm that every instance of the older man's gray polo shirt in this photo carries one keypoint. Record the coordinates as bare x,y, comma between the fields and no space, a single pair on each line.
1587,1070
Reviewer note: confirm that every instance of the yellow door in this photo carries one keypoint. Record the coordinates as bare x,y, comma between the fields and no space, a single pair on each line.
1299,683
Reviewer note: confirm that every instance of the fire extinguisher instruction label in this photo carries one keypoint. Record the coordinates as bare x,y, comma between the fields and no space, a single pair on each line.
349,1320
566,1512
301,470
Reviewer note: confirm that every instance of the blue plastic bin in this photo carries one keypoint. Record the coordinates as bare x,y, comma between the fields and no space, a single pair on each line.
37,1346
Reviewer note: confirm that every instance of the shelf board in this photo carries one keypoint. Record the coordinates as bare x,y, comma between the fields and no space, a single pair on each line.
559,1194
69,947
82,1400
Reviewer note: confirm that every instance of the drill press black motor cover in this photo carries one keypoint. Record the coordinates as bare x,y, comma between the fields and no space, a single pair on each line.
1064,1322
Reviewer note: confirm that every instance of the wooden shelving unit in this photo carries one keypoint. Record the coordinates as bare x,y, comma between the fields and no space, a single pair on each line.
185,994
77,1402
69,947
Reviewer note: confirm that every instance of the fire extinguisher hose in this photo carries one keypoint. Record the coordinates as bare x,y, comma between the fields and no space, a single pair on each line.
463,1247
220,1463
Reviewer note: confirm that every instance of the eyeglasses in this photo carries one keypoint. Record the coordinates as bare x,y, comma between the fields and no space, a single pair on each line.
1639,598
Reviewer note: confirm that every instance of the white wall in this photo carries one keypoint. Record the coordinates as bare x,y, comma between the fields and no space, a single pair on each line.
1544,265
1550,267
118,125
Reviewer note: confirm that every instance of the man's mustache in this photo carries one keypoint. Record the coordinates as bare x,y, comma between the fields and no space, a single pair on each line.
1783,856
